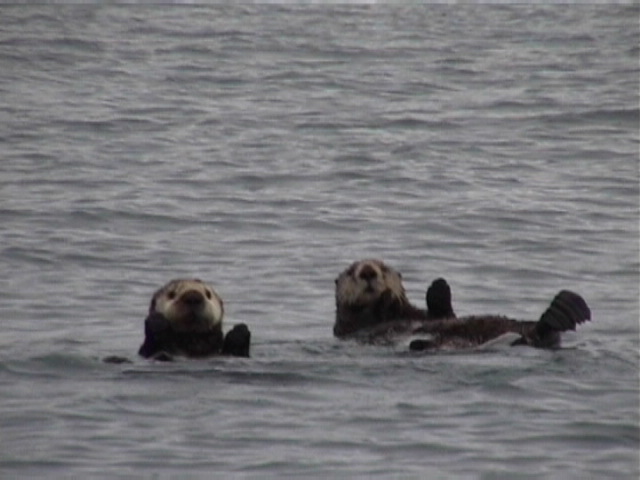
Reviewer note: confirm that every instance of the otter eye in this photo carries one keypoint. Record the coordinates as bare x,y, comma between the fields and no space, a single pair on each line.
208,294
171,295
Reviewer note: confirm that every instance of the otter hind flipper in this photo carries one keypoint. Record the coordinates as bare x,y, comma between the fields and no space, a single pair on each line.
566,311
237,341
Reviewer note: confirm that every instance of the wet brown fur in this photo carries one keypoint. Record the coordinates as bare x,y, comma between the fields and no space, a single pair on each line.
372,307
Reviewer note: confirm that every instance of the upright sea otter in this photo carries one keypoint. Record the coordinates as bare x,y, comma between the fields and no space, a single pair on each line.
372,307
185,318
369,293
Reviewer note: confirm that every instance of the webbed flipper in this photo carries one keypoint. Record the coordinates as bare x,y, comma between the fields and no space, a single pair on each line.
566,311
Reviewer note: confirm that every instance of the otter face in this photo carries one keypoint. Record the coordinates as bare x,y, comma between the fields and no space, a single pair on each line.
189,305
364,282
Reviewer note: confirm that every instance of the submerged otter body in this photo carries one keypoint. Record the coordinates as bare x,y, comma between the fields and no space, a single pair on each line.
372,307
370,294
185,318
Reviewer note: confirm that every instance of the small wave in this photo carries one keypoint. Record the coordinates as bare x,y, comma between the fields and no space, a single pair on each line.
617,116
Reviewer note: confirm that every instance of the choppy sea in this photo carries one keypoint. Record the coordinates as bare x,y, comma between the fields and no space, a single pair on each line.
263,149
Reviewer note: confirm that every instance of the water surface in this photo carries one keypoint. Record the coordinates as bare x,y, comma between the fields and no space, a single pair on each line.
263,149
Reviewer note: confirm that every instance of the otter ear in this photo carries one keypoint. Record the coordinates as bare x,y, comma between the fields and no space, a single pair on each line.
335,281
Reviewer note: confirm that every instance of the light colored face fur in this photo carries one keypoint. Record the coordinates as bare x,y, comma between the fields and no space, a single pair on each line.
190,305
364,282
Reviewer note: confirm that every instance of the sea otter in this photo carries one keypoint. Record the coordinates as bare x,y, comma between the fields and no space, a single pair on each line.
185,318
372,307
370,293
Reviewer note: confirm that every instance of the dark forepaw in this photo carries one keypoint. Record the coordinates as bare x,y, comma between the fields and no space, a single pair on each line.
439,300
157,332
155,324
237,341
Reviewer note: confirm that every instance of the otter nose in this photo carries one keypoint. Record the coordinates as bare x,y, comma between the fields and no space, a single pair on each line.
192,298
367,273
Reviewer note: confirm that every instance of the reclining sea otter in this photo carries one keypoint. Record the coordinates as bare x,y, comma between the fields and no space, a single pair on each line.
185,318
372,307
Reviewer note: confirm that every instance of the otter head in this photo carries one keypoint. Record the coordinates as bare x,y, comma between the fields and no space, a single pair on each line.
365,282
189,306
370,294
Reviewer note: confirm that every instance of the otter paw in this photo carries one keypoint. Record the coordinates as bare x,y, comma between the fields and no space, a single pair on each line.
156,323
237,341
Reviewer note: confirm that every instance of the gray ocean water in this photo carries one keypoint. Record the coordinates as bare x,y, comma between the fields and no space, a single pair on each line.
263,149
